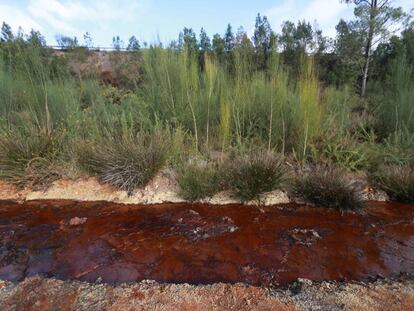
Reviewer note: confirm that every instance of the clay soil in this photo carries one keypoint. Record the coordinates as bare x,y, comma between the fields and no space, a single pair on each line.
50,294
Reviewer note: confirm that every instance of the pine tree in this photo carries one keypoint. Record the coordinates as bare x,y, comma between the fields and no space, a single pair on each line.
264,40
6,32
229,39
133,44
218,47
117,43
377,20
205,43
87,38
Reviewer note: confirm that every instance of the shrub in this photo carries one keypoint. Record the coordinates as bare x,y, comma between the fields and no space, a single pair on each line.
27,160
343,151
124,163
198,182
326,187
251,175
397,181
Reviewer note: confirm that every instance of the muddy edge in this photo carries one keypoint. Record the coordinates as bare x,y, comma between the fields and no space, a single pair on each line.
162,189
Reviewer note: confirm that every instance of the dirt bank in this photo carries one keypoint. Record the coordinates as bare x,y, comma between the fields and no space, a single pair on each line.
162,189
47,294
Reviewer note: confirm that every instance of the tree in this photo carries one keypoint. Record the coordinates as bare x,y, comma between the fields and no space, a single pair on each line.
348,53
244,48
188,40
388,54
229,39
66,42
205,43
218,46
321,43
264,40
303,36
408,41
287,38
87,38
243,43
376,21
117,43
6,32
36,38
133,44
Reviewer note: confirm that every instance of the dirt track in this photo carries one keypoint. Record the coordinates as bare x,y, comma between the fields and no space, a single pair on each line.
50,294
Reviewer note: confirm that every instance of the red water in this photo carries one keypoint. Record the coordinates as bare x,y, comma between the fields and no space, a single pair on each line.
202,244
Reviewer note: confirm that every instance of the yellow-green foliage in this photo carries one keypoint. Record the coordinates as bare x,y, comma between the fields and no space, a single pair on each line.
225,129
236,107
309,110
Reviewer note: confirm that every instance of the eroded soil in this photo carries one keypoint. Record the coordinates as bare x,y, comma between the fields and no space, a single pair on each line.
203,244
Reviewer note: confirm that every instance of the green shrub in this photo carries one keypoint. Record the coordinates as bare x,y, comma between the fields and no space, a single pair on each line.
343,151
28,160
198,182
124,163
397,149
325,186
397,181
251,175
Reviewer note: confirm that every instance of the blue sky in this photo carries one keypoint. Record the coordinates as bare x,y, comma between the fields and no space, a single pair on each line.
149,20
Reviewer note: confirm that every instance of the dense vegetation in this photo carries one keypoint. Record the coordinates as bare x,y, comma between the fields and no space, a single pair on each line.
346,100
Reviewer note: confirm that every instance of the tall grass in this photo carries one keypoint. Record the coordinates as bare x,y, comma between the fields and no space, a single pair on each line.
48,116
309,110
396,110
233,108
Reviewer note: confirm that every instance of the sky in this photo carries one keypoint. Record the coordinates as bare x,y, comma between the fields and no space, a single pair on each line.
162,20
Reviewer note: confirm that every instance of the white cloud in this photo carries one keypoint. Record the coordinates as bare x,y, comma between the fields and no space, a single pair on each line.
17,18
325,12
63,15
74,17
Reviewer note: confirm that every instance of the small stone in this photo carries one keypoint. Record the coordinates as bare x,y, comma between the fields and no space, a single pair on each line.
76,221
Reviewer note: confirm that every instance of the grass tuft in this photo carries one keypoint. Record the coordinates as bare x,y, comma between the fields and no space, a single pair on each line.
326,187
198,182
28,160
127,163
251,175
397,181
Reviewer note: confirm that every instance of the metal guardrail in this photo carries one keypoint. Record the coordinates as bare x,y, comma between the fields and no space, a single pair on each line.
92,48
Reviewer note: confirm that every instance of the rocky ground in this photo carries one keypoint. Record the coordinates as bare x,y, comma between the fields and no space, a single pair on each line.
50,294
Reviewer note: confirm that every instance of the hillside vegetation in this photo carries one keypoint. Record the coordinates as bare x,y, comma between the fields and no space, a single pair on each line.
294,96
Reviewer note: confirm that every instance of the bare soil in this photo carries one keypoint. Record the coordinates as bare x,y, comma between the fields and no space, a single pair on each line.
162,189
50,294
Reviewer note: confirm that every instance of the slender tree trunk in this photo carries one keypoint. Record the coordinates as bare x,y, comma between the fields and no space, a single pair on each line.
367,56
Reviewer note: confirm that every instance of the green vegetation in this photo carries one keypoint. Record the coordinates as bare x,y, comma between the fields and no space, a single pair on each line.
296,94
247,176
253,174
124,163
198,182
325,186
396,181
